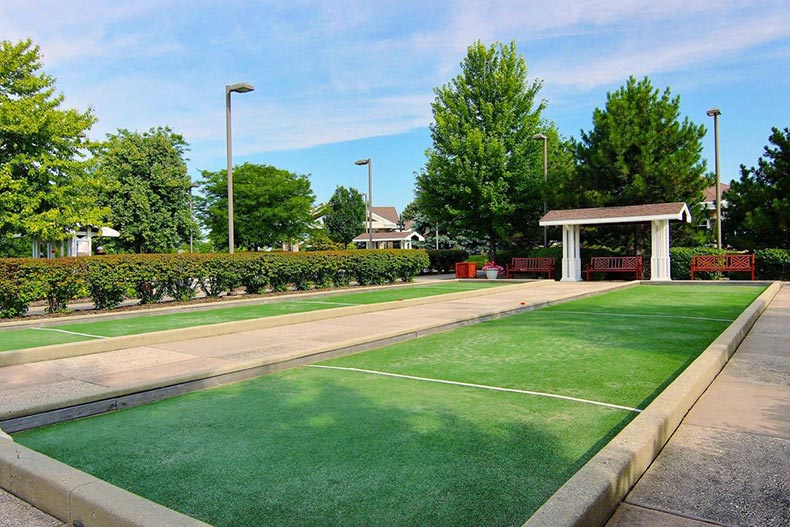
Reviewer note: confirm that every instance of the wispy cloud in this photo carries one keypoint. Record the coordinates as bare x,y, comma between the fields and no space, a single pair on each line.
336,71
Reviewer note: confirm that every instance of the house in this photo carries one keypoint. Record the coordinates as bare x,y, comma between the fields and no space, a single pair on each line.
387,230
709,205
80,243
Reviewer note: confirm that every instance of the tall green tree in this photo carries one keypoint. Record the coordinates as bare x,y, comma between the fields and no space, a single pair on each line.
758,215
640,152
147,189
483,176
345,215
271,206
46,187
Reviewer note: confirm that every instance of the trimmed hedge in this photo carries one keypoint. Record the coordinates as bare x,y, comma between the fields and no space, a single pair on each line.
108,280
772,264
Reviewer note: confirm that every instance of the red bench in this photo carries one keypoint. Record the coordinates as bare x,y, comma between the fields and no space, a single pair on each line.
720,263
615,264
530,265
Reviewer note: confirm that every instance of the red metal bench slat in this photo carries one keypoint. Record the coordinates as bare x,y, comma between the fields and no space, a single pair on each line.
615,264
530,265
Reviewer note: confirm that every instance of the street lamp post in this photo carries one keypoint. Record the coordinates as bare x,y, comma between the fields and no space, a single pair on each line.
715,113
545,140
239,87
369,163
191,214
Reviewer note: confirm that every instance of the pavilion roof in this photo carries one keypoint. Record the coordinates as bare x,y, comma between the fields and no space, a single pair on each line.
627,214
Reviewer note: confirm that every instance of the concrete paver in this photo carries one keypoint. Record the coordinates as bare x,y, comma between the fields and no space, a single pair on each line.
630,516
727,478
727,463
17,513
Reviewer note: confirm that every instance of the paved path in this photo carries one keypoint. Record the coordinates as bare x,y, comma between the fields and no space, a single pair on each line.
729,461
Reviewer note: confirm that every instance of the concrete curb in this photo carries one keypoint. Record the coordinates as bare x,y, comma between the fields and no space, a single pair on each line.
74,349
590,497
77,498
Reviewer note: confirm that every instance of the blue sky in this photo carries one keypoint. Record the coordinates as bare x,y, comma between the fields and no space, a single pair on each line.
344,80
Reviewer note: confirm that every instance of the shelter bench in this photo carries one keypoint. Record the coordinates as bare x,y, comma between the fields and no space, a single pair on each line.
720,263
530,265
615,264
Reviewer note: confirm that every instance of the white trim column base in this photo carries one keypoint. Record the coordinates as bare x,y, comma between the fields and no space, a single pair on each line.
660,267
571,260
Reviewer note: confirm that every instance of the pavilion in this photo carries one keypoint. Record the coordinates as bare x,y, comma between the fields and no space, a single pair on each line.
658,214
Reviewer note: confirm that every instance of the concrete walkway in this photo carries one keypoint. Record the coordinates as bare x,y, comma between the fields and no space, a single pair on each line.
729,461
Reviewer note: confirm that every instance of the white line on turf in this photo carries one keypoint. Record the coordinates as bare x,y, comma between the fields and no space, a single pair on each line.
639,315
71,333
483,386
325,302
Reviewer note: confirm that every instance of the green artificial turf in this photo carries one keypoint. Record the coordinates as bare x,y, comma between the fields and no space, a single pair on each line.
322,446
592,348
142,323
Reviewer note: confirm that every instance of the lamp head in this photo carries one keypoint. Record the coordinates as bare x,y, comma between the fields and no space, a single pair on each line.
542,137
713,111
240,87
362,162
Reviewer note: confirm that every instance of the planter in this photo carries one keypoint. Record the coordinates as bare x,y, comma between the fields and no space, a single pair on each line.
465,270
491,274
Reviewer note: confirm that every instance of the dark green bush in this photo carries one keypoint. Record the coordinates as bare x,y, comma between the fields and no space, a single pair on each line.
772,264
219,273
444,260
58,281
106,280
15,293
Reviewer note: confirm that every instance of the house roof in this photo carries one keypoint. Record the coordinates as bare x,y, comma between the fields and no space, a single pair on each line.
397,236
388,213
628,214
710,192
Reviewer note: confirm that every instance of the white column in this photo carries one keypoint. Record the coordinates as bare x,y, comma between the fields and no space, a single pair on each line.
659,255
571,261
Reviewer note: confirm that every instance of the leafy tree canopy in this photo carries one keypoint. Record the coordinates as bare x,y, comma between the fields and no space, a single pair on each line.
758,215
483,176
147,189
46,187
345,215
639,152
270,206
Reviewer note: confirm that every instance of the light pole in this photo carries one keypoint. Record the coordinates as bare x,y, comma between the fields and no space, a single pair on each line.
715,113
545,140
191,214
369,163
239,87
